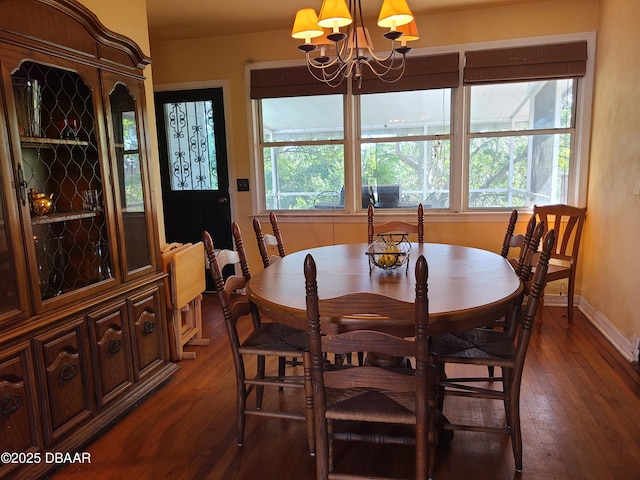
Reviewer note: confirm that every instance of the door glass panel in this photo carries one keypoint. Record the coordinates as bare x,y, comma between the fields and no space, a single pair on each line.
191,145
8,292
130,178
62,177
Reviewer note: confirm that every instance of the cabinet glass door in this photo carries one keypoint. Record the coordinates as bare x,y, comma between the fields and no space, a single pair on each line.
8,282
61,179
126,134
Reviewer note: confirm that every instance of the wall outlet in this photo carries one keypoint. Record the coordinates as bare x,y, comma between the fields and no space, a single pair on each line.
635,348
243,184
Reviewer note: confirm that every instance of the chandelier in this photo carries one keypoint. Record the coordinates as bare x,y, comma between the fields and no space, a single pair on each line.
333,56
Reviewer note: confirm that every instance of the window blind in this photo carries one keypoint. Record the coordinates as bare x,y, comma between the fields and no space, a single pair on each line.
421,73
552,61
289,82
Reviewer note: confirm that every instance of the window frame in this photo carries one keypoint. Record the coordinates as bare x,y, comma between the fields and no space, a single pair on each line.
459,174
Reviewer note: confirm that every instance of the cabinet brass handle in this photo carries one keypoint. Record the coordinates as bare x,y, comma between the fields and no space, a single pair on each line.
149,327
22,184
10,403
68,372
114,346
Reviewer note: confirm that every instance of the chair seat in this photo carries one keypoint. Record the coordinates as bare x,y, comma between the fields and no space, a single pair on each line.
274,338
557,272
479,345
366,405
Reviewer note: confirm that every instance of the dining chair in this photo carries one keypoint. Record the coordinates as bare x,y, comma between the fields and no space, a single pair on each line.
266,240
523,267
395,226
498,349
370,395
568,222
265,339
519,241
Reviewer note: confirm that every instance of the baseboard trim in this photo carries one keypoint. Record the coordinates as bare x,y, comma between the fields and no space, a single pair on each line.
598,320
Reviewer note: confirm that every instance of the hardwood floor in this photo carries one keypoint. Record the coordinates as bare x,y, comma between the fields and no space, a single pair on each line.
580,416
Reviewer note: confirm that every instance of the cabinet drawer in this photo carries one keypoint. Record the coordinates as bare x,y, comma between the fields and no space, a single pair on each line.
110,346
148,347
19,430
62,367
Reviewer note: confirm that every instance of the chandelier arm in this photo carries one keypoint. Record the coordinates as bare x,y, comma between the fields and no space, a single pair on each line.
390,56
345,48
327,76
395,63
383,75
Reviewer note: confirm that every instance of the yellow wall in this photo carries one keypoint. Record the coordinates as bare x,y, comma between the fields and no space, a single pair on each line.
610,264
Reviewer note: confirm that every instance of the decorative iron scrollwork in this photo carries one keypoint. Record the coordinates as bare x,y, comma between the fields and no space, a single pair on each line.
10,403
68,371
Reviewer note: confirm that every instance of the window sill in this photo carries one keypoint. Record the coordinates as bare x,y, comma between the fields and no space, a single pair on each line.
339,216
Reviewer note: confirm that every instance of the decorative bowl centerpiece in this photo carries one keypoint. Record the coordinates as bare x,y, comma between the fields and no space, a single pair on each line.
389,251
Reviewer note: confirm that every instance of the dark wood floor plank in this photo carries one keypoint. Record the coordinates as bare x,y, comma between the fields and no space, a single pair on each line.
580,404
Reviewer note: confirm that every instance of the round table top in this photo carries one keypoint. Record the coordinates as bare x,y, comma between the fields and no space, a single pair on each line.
468,287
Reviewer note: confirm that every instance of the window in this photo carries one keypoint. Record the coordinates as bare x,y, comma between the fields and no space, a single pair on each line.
405,148
303,152
519,143
505,137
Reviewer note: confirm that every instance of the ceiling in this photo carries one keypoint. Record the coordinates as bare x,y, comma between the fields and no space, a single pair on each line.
182,19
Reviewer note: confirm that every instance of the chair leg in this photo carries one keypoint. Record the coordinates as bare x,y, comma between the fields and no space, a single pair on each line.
440,376
241,404
434,373
308,393
282,363
516,433
322,450
506,387
330,448
538,317
570,293
260,375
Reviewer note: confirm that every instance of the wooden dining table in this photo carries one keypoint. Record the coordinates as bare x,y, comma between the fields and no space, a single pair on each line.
468,287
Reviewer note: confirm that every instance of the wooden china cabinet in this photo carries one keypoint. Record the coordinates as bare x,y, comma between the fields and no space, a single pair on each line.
83,333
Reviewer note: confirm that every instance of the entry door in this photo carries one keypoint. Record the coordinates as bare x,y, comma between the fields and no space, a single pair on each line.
193,165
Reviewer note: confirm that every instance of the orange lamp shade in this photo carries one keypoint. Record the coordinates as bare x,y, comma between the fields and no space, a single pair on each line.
305,26
334,14
409,31
394,13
